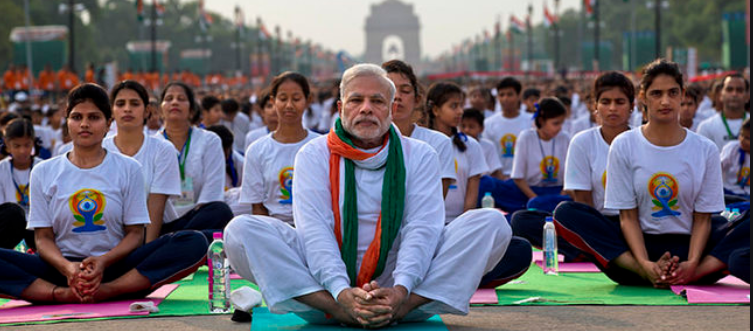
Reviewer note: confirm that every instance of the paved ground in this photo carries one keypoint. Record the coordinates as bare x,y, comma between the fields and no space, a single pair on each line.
488,319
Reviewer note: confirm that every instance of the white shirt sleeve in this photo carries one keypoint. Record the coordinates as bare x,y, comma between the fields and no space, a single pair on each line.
520,159
423,222
166,177
446,157
134,200
490,155
213,187
40,215
252,187
578,168
478,164
711,198
620,194
315,221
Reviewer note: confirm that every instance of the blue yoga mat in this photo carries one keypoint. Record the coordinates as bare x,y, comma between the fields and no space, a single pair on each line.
266,321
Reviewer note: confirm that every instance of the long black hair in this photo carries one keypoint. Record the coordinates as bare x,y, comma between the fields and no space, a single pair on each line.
20,128
438,95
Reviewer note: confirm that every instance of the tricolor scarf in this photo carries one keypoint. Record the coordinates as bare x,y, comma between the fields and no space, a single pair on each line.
393,203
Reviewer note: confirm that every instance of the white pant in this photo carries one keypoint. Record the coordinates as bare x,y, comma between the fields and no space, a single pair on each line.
268,252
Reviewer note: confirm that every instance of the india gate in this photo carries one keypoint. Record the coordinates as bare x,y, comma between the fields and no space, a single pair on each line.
392,32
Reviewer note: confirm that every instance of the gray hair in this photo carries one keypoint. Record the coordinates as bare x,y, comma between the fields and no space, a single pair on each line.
367,70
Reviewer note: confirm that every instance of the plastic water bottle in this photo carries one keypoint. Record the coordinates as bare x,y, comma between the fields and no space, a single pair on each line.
551,262
487,201
734,215
726,213
219,277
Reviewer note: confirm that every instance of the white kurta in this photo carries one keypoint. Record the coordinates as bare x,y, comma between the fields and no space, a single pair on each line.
424,259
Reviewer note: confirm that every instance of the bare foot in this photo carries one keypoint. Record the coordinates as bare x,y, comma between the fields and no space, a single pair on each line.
65,295
414,301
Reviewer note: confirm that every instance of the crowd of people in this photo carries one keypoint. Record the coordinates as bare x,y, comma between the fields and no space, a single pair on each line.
118,193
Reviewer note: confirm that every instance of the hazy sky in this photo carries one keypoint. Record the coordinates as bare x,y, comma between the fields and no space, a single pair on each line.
339,24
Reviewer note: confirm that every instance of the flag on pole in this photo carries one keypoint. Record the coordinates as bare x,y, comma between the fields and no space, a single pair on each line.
589,5
205,20
516,25
140,10
160,8
264,33
549,18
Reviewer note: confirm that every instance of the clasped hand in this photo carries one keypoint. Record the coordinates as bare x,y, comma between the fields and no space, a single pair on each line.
371,306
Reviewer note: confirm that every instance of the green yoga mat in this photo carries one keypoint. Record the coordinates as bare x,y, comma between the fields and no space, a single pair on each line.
266,321
580,289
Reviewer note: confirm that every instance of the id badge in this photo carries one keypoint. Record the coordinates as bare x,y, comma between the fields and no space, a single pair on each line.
186,193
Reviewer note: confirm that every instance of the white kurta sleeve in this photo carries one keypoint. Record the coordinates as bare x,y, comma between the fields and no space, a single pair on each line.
166,177
315,221
423,220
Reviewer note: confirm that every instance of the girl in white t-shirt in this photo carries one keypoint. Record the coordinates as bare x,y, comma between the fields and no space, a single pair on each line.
269,116
444,107
538,165
736,166
19,143
88,212
201,163
268,176
586,164
666,183
160,168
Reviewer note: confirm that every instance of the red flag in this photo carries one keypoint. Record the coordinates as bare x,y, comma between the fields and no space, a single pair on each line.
140,10
159,8
589,5
549,18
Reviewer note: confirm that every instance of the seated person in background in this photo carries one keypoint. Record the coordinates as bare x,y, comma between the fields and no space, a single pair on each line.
736,169
381,253
88,214
472,125
586,165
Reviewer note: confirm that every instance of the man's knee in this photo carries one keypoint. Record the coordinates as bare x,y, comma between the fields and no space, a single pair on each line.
486,220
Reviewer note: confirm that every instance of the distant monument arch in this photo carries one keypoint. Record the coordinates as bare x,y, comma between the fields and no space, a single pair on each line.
392,33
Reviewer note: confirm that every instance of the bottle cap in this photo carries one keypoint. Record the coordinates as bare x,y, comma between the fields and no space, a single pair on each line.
488,194
550,219
736,210
217,235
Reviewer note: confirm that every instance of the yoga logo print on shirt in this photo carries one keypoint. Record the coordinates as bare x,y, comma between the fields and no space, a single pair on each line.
22,195
453,186
508,145
664,189
286,186
550,168
87,206
743,177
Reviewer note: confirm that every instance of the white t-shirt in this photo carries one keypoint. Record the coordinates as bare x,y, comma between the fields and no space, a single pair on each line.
736,175
255,135
64,148
421,227
540,163
158,164
442,145
87,209
268,175
666,184
239,126
46,135
491,157
8,182
586,166
205,166
714,129
467,164
504,133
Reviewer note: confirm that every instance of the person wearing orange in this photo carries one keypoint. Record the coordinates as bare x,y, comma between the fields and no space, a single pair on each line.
368,197
46,80
127,75
67,79
89,74
23,77
10,80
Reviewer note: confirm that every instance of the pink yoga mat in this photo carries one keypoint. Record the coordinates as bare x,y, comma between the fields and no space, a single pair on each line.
728,290
17,311
538,256
574,267
485,296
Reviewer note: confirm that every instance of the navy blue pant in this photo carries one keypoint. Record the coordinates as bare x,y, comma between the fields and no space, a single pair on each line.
735,249
513,265
508,197
211,217
602,241
167,259
13,226
529,224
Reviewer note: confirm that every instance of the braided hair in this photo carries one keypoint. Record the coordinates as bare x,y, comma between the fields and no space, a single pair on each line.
439,94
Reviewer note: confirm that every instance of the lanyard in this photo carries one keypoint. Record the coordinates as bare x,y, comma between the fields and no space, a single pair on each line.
726,125
183,153
25,193
541,146
742,162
